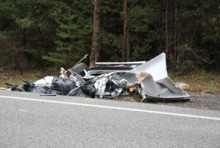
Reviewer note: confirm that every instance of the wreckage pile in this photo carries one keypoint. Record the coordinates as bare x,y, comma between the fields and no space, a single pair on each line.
109,80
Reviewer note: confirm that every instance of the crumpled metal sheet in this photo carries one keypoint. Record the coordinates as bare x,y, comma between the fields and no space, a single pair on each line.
156,67
100,86
110,85
149,86
154,80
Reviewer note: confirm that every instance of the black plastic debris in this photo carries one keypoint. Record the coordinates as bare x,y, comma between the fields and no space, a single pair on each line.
62,86
77,92
30,87
15,87
78,68
89,90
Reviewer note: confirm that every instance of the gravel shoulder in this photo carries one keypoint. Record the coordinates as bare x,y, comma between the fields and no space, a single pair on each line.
197,100
200,101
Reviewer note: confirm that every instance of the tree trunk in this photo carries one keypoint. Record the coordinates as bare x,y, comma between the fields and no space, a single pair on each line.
160,27
128,47
175,29
166,28
125,40
96,36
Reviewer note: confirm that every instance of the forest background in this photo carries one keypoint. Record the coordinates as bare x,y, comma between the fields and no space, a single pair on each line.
49,34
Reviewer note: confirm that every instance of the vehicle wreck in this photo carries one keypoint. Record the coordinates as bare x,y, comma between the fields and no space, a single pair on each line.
109,80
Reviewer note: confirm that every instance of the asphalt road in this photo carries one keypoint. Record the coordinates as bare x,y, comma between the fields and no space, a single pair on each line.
29,120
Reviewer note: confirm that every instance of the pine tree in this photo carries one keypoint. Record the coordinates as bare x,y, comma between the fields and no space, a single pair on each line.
73,35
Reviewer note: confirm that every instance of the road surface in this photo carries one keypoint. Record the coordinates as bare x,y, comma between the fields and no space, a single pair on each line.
29,120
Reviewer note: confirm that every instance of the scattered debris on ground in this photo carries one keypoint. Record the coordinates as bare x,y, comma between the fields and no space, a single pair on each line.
181,85
110,80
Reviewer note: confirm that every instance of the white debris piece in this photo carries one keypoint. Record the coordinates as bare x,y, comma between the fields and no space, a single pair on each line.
88,75
62,73
46,81
181,85
100,86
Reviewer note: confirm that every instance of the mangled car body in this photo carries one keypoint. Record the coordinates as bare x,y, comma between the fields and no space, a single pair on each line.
108,80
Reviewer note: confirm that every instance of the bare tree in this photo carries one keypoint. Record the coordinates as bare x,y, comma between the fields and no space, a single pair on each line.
128,46
96,33
175,29
125,38
166,28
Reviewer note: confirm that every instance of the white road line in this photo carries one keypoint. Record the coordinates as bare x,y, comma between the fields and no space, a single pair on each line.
115,108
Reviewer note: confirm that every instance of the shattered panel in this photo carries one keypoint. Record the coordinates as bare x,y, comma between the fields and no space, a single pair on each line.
167,82
149,86
156,67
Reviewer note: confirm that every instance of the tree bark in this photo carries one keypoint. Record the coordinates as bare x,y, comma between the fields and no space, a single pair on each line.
96,34
160,27
125,38
166,28
175,29
128,47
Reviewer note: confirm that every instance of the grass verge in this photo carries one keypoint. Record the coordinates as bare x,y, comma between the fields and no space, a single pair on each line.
200,81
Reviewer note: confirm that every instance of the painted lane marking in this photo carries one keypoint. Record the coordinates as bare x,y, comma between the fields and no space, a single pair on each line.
115,108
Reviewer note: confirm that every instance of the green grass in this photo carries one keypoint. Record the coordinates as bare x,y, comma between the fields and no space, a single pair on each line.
200,81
